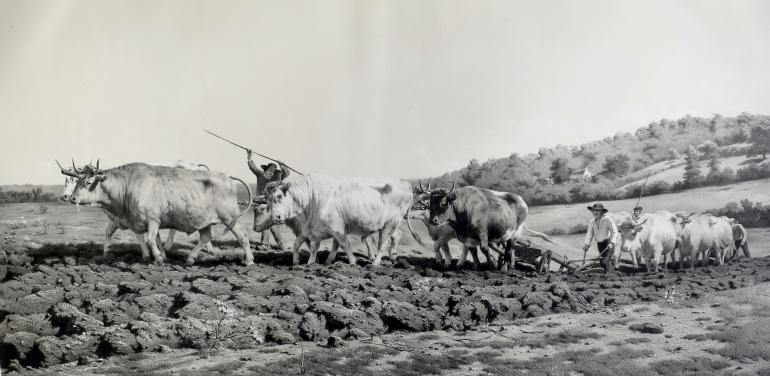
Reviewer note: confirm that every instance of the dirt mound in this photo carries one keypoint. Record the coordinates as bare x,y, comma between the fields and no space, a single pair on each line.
63,303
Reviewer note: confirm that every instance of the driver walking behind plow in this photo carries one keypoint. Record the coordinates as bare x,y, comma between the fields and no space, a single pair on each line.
266,174
603,229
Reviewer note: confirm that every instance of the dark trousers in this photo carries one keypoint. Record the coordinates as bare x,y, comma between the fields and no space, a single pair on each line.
276,234
744,247
605,255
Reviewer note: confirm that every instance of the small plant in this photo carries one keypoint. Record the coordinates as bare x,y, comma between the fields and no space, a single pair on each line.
671,296
222,332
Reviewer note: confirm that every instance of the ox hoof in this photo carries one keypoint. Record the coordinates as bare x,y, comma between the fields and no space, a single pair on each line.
190,261
159,262
248,263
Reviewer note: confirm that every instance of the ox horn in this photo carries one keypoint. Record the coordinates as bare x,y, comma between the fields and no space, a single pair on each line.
66,172
419,186
452,189
74,168
97,166
428,185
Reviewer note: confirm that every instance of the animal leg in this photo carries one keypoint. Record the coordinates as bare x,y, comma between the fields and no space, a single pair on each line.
313,251
437,250
447,256
143,245
170,240
463,257
385,235
204,236
332,252
109,231
152,235
243,237
345,244
394,240
475,256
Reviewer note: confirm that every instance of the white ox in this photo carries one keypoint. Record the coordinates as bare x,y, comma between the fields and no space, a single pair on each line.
71,180
655,235
335,207
263,220
701,233
147,198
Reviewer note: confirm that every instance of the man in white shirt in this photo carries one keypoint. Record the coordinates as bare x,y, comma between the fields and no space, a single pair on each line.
603,229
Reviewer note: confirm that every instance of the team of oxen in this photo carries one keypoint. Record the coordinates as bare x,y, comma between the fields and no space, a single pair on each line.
187,196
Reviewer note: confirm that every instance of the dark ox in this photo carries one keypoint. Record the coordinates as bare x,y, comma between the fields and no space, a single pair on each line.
480,217
145,199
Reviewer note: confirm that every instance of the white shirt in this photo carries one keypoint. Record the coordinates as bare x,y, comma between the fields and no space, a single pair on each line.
604,230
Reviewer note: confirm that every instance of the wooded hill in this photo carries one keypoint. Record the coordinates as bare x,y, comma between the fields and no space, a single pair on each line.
596,170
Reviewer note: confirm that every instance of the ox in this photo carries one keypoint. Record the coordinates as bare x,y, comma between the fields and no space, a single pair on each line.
71,180
700,234
263,220
479,217
334,207
145,199
655,235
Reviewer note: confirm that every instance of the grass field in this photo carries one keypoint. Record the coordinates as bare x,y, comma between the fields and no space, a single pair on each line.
672,171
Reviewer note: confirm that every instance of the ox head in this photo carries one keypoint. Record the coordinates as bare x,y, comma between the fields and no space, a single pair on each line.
439,202
628,235
684,218
275,195
81,184
263,220
420,196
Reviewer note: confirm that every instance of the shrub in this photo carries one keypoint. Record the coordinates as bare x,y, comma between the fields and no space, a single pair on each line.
748,213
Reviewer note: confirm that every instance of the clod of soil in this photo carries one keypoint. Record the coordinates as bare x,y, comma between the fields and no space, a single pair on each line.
646,327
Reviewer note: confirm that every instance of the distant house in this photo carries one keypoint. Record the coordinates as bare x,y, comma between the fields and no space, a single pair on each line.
586,175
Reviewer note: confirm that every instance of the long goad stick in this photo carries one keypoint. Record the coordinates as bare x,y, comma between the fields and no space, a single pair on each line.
247,149
641,193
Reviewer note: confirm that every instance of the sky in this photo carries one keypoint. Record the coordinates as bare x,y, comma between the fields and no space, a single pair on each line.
360,88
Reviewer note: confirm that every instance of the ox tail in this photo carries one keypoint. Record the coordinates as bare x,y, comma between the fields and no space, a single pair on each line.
248,207
538,234
409,225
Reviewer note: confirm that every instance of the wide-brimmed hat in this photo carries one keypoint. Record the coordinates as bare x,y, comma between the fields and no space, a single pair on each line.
265,167
598,206
638,208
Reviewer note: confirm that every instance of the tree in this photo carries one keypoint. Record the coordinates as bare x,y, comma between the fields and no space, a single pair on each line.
616,165
692,176
559,171
472,172
709,149
760,139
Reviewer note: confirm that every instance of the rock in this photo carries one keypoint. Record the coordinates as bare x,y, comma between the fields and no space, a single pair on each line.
334,342
191,331
158,304
280,337
196,305
52,350
17,345
211,288
117,341
39,302
358,334
109,290
311,328
33,246
646,327
36,323
402,315
339,317
133,287
539,298
501,308
70,320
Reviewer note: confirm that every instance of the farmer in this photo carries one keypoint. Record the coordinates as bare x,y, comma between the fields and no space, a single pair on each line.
637,214
266,174
603,229
739,234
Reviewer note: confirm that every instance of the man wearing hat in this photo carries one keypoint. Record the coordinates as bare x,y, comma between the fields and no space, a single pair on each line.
603,229
637,214
266,174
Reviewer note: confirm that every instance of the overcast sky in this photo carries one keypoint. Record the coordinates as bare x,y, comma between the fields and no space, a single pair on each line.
360,88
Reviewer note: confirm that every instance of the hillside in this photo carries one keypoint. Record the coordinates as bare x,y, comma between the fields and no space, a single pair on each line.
671,171
555,175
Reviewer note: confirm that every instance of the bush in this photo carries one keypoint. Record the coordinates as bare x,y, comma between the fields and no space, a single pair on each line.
747,213
753,171
579,228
